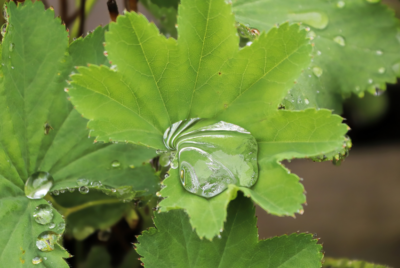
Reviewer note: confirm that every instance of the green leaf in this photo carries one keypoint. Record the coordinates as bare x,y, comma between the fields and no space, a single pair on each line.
98,257
173,243
39,130
368,59
346,263
165,14
158,81
27,93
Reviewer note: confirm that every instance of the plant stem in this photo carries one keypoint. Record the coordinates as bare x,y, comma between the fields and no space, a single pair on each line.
64,10
82,17
113,10
131,5
67,211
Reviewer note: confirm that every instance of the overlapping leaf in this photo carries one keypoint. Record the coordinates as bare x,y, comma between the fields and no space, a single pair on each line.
173,243
34,68
367,58
158,81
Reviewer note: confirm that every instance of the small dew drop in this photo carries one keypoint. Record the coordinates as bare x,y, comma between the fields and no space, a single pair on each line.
379,52
56,192
115,164
83,189
38,185
46,241
317,71
339,40
370,81
319,53
43,214
71,190
52,225
306,101
396,69
37,260
381,70
131,166
82,182
316,19
61,226
340,4
11,47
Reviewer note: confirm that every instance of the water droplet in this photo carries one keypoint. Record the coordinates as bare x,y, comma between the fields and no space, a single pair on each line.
379,52
83,189
71,190
4,29
46,241
381,70
61,226
115,164
340,4
11,47
317,71
82,182
52,225
206,166
311,35
306,101
131,166
43,214
97,184
104,235
317,19
38,185
370,81
37,260
340,40
319,53
62,191
373,1
396,69
56,192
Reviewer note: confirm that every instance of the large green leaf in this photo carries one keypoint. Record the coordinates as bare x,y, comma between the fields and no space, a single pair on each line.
158,81
36,63
368,57
173,243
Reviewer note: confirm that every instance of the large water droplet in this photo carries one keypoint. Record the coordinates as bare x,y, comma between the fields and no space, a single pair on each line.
115,164
46,241
43,214
82,182
211,155
340,40
11,47
340,4
84,189
317,19
396,69
38,185
37,260
317,71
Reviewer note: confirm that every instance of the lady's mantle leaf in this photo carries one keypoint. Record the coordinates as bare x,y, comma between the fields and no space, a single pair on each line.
157,81
39,130
174,244
356,46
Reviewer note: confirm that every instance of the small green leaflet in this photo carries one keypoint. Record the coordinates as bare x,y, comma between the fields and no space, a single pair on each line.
174,244
346,263
157,81
35,65
356,46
